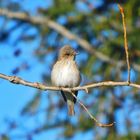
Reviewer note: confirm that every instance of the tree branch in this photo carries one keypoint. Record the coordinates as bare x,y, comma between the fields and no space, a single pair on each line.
18,80
65,32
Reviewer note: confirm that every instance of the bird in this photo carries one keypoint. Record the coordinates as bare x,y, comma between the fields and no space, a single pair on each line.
65,73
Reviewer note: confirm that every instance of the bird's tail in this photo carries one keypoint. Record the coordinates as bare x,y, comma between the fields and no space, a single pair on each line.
70,101
70,107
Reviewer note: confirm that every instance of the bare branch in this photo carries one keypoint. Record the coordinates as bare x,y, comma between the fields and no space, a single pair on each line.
17,80
65,32
125,41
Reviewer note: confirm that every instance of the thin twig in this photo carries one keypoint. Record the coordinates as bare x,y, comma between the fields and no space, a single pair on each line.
90,115
125,41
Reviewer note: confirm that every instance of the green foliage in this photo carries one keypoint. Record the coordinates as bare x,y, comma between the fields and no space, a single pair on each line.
64,7
85,125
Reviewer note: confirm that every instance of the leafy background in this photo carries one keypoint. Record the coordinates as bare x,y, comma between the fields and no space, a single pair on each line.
29,51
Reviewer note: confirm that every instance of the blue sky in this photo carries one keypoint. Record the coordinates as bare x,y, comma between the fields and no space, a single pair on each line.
14,97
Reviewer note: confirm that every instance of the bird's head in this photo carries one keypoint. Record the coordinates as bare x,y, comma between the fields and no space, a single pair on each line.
67,52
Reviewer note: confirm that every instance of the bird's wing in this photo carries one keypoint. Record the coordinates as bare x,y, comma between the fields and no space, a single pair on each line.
76,93
65,99
63,94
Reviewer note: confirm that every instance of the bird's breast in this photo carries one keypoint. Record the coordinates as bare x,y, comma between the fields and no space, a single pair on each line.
65,74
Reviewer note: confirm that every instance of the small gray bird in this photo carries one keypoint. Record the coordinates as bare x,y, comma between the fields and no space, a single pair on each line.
65,73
